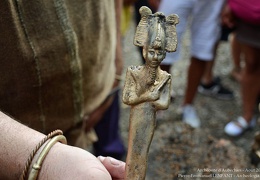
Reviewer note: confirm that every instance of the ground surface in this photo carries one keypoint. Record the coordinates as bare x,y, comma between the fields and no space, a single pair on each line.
178,149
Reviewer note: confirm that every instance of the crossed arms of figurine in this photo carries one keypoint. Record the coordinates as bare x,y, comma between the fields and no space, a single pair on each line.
137,91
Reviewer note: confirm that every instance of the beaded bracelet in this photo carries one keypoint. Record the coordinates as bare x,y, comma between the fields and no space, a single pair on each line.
29,160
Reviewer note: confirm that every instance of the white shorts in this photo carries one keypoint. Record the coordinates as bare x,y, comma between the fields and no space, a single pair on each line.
205,26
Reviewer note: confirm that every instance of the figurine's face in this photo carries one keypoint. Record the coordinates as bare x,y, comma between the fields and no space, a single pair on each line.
154,57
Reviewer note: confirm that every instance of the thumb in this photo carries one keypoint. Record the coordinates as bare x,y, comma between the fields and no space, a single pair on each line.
115,167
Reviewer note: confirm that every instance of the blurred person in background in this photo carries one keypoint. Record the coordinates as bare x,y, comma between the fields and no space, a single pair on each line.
244,16
205,30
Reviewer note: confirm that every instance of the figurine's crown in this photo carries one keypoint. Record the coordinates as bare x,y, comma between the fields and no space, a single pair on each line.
156,29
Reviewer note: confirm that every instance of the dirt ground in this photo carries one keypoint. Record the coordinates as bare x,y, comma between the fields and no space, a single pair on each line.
181,152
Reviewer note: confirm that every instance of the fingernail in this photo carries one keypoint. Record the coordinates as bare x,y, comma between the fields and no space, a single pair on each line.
114,161
101,158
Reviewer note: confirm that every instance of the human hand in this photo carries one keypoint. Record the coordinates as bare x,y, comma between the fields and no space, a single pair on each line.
115,167
95,116
227,17
68,162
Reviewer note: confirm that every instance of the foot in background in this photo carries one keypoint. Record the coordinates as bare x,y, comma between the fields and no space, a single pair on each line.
189,116
216,90
239,126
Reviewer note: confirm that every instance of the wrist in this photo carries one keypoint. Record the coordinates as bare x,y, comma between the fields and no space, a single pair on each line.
68,162
50,167
32,169
18,142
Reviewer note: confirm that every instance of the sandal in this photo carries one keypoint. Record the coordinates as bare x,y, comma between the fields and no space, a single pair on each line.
238,127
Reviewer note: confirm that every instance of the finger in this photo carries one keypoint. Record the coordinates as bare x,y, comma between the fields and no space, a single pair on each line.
115,167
